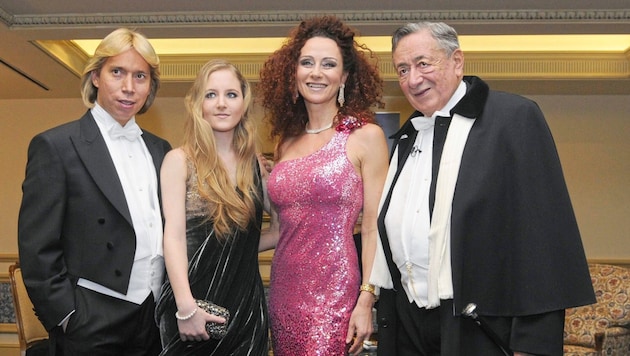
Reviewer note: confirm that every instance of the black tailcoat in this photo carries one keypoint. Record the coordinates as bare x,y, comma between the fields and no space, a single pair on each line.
74,221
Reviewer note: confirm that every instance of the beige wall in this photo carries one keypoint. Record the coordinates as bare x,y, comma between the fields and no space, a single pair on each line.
592,134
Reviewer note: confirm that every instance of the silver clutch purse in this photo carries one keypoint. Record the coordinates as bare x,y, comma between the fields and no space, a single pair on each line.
215,330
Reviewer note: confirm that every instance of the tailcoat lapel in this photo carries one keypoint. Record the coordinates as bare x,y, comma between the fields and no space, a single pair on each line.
93,152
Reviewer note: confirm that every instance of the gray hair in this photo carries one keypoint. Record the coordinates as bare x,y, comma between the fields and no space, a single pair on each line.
444,35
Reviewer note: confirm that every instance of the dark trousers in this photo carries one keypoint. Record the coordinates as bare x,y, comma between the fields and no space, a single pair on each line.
435,332
407,330
105,326
420,331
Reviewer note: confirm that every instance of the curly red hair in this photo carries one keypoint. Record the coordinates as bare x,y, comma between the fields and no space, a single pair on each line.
277,86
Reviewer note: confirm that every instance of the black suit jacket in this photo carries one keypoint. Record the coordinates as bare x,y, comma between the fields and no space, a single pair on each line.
74,221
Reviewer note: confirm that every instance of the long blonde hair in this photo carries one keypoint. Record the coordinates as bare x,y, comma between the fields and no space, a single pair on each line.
230,208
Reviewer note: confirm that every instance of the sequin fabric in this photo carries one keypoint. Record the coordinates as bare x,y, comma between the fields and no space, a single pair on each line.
315,274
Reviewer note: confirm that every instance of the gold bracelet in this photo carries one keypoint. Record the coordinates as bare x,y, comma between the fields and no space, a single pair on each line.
366,287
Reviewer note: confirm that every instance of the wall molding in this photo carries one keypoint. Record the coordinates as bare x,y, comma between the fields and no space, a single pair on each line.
489,65
8,328
266,18
520,66
611,261
264,260
8,257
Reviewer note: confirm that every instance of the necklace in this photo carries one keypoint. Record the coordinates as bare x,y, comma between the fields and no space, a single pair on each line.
316,131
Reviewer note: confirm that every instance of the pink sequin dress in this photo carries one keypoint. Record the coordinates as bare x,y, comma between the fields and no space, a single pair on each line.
315,273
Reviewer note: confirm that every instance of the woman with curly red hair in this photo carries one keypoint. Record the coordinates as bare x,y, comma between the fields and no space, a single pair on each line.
331,163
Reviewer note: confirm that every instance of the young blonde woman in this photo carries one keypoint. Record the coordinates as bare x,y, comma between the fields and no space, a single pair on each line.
213,202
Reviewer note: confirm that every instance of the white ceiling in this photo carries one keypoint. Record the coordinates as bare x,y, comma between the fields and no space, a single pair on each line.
28,72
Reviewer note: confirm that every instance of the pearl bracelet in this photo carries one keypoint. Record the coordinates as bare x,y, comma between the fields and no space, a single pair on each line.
186,317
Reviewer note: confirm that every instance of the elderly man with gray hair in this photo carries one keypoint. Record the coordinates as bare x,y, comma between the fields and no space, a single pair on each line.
479,251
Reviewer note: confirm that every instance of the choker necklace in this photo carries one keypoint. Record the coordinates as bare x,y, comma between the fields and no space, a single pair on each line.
316,131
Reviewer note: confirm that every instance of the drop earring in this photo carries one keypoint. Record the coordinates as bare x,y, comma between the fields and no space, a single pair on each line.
296,96
341,97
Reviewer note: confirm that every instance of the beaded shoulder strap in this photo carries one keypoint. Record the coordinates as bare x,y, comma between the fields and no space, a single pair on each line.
349,123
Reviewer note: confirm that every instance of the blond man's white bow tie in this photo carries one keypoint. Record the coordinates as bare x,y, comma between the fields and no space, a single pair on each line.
131,131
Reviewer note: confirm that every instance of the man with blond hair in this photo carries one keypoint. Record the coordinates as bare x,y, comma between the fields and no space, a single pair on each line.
90,224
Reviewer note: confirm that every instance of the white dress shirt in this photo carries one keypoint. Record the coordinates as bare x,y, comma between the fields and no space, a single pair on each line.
408,219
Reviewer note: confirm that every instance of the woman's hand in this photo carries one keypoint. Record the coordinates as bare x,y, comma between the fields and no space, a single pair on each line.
265,163
194,328
360,327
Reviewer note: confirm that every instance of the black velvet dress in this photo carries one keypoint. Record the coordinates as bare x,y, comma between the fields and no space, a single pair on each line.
226,273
